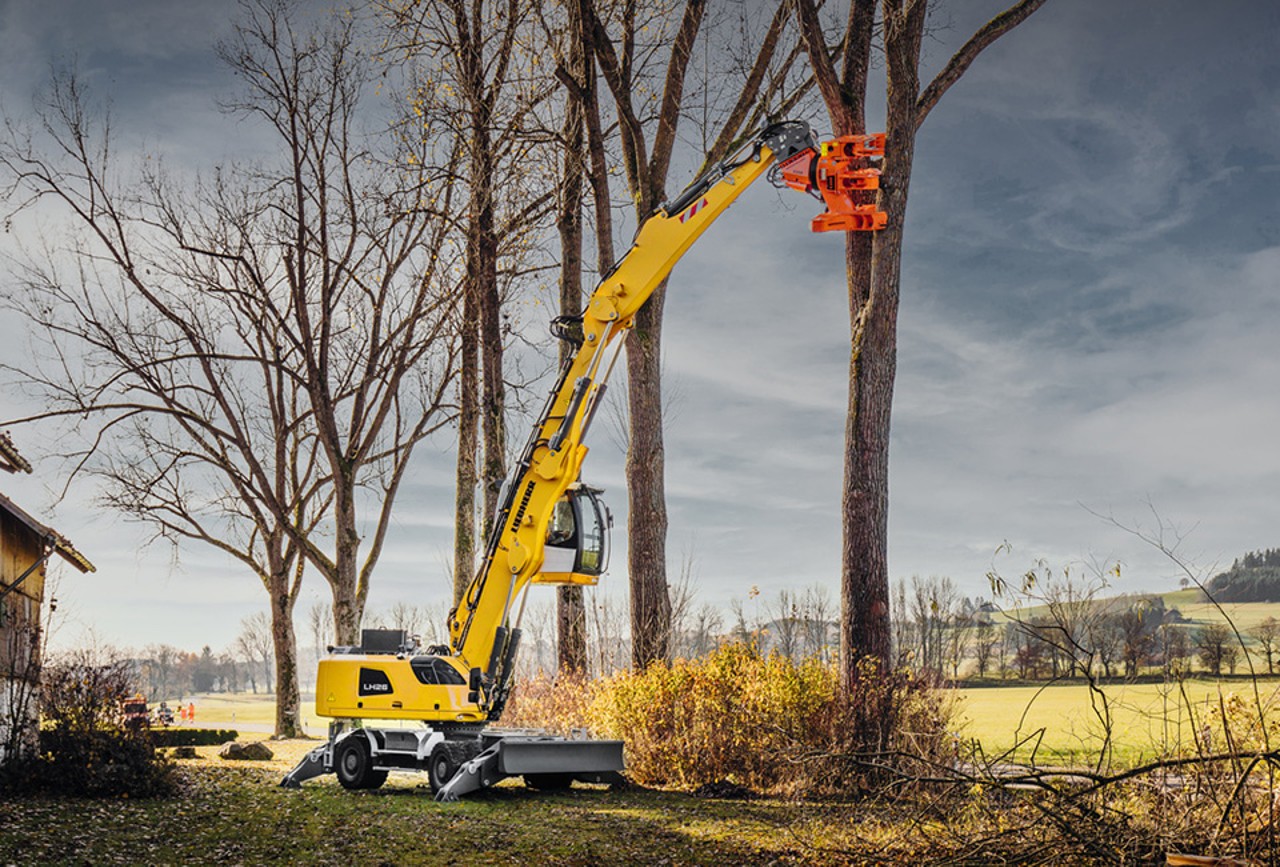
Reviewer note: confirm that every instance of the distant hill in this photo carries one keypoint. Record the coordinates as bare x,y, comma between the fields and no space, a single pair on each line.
1255,577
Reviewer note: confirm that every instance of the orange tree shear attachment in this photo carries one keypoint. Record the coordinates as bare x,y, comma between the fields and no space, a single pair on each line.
837,174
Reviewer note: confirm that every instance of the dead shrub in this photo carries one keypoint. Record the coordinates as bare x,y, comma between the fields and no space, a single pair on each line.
766,722
558,705
85,747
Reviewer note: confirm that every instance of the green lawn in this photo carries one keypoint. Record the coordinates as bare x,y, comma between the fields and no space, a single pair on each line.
235,813
233,708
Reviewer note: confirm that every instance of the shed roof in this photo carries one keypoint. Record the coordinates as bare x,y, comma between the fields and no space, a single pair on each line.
10,459
60,543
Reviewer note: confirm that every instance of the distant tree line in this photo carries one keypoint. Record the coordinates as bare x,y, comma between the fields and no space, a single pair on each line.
937,631
1069,630
1255,577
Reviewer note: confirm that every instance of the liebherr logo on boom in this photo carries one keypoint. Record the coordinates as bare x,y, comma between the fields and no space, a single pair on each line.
524,504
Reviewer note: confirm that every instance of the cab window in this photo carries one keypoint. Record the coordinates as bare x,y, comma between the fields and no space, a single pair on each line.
560,529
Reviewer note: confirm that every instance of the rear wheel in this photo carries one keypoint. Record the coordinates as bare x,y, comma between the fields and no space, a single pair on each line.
548,782
354,764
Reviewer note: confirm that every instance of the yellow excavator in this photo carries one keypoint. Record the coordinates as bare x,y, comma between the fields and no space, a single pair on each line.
549,527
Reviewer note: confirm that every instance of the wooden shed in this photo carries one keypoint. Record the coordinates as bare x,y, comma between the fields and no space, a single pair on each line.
26,545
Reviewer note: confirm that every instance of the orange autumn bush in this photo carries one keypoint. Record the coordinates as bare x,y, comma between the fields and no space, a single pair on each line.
766,722
732,715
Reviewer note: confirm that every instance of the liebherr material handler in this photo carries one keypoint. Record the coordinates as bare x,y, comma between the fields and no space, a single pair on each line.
549,527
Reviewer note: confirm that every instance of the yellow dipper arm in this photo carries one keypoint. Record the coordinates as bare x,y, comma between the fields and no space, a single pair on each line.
554,454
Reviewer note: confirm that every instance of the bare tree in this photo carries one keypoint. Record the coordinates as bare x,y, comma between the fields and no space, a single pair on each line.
276,341
608,635
933,603
1267,634
1137,636
253,645
683,595
902,625
787,632
580,115
539,656
817,614
873,265
408,618
644,62
959,639
187,417
228,672
320,625
1215,646
703,633
986,641
1175,644
161,663
1066,615
476,76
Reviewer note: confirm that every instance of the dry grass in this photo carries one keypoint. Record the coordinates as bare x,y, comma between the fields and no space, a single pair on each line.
1146,719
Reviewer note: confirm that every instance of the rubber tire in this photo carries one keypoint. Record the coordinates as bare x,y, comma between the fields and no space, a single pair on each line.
549,782
443,765
354,766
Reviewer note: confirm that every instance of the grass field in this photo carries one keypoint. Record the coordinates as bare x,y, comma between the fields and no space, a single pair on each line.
1193,607
251,712
232,709
1146,718
1245,615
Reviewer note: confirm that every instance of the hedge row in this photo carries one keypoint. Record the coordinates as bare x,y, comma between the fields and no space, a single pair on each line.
192,737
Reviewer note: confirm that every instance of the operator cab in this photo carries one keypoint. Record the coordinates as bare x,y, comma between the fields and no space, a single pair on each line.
577,546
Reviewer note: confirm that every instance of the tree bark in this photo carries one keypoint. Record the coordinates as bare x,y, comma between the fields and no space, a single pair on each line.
285,645
484,271
646,490
571,612
645,465
464,512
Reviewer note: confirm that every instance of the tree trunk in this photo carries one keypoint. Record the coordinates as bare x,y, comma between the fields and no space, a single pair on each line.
493,402
865,630
646,177
646,490
285,645
873,271
571,612
464,511
348,601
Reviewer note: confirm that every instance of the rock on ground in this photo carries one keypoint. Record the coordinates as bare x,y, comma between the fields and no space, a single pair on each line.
255,752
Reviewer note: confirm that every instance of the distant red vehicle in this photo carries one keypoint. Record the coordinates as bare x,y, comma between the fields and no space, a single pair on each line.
135,713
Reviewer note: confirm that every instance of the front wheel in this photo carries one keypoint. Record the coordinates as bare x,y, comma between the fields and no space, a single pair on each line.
354,764
444,763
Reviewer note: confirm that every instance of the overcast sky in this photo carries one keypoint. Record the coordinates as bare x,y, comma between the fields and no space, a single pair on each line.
1089,323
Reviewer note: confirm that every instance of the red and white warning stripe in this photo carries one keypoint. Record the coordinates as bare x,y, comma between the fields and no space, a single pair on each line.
693,210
